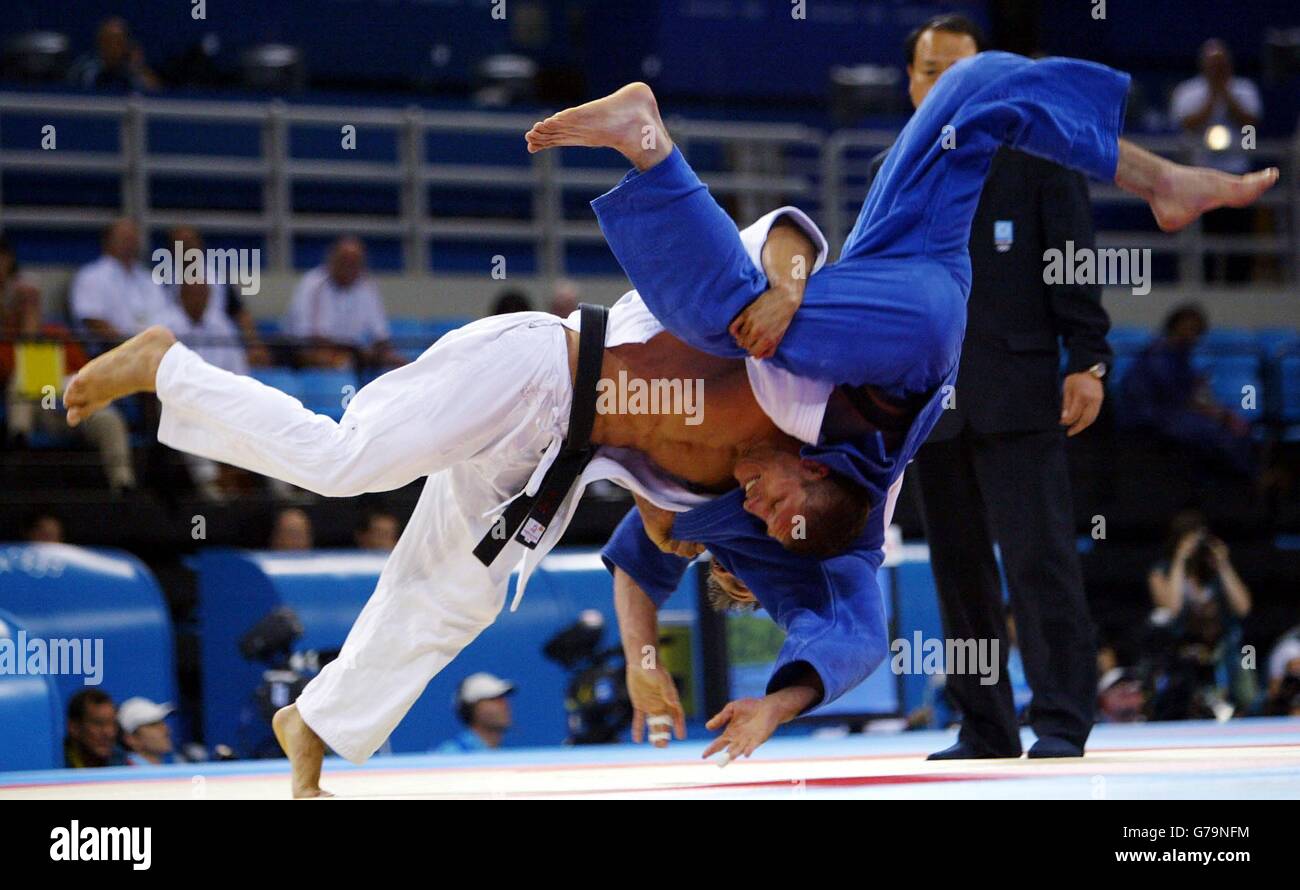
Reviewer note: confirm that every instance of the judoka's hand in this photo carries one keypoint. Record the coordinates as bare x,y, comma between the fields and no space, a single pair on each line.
658,524
749,723
1081,399
761,325
654,695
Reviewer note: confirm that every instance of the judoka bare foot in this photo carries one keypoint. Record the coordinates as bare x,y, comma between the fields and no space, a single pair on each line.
122,371
1179,194
304,749
627,121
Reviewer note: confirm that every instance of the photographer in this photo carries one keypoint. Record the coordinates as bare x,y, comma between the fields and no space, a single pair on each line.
1199,603
1284,676
482,704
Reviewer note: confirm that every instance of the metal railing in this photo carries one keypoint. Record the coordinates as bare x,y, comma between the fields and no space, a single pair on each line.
767,164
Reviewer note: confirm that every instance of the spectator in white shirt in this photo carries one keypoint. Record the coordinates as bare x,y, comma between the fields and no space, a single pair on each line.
337,308
205,328
1213,107
115,297
221,298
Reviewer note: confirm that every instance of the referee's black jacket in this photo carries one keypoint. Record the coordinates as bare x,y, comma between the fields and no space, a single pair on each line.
1009,377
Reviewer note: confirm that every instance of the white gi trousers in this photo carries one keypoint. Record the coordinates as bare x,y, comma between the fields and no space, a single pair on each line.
475,413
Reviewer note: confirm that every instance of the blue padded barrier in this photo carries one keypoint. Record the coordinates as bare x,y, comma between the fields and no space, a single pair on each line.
30,711
102,603
327,590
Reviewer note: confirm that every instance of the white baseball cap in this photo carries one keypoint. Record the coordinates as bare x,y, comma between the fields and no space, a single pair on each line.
137,712
481,687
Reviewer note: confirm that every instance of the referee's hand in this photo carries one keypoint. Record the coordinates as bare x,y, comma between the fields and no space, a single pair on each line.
1081,399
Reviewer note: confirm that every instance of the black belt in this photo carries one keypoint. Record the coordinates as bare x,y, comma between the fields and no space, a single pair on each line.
527,517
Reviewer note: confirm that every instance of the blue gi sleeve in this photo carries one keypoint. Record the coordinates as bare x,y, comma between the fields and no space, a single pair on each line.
844,638
631,550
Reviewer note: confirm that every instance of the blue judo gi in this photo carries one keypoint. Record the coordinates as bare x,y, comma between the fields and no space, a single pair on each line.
891,313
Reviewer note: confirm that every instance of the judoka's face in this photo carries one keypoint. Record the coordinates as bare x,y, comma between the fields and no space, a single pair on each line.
152,738
936,52
775,484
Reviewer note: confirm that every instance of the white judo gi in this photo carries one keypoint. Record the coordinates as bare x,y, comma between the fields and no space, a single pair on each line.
482,413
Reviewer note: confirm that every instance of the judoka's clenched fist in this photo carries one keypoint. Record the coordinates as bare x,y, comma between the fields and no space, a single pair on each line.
758,329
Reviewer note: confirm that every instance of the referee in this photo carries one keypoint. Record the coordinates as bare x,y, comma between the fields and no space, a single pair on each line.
994,468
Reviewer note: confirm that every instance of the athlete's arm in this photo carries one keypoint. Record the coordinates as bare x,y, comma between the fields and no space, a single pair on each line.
788,258
649,685
747,723
658,525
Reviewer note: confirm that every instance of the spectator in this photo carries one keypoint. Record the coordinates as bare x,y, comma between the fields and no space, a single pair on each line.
1284,676
511,300
1212,108
1120,697
337,308
222,299
145,733
378,530
1199,603
205,329
43,527
117,63
36,361
92,732
1162,393
115,297
482,704
292,530
564,300
209,331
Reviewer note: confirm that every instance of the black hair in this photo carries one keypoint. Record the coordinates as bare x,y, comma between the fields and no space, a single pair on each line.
80,703
511,300
948,23
836,515
1185,312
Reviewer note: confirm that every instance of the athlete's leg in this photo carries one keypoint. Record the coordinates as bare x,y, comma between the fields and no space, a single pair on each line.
452,402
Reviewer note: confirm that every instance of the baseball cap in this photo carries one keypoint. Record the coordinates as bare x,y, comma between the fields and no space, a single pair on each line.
481,687
137,712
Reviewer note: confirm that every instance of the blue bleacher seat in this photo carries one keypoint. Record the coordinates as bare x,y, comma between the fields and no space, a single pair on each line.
1276,341
1123,362
1229,341
1288,392
1128,340
411,336
268,328
440,326
324,390
284,379
1229,377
